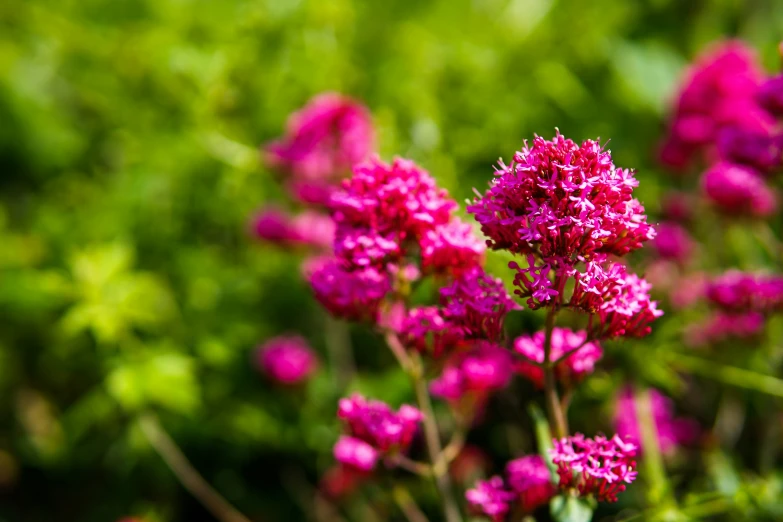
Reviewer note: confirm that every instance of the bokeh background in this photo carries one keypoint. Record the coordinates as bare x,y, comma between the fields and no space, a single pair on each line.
129,167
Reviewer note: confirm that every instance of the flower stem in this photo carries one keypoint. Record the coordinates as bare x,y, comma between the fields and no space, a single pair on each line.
652,459
557,422
408,505
186,473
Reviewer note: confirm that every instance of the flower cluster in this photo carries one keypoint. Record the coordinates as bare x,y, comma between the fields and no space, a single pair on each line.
323,140
563,201
673,242
584,355
374,429
598,466
484,369
287,359
527,483
739,292
472,307
309,228
738,190
671,431
566,208
719,94
721,326
350,295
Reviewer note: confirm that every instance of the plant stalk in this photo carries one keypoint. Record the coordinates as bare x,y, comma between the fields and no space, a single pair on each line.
557,422
188,476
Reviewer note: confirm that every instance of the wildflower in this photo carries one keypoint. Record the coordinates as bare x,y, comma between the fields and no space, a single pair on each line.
324,139
451,248
349,295
737,291
735,189
598,466
563,201
770,95
400,202
573,368
484,369
377,425
673,242
529,478
490,498
475,305
355,454
761,151
287,359
426,330
307,228
629,312
719,93
671,431
725,325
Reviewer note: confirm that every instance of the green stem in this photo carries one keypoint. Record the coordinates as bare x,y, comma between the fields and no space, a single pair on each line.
188,476
728,374
408,505
557,421
652,458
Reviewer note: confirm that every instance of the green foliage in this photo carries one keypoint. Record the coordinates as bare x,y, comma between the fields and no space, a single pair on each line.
128,171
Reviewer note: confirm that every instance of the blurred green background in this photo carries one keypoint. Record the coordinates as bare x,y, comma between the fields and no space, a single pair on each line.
129,166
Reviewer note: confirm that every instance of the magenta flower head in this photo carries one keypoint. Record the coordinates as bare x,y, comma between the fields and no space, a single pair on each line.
309,228
490,498
673,242
426,330
573,368
735,189
762,151
629,312
324,139
480,371
740,292
719,93
672,432
475,305
723,326
598,466
770,95
287,359
451,248
564,201
375,423
355,295
355,454
529,478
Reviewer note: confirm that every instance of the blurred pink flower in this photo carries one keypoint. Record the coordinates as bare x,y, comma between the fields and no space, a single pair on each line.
673,242
529,478
324,139
287,359
672,432
309,228
491,498
484,369
738,190
355,453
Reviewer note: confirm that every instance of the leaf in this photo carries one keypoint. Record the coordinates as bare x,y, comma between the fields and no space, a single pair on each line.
571,509
543,438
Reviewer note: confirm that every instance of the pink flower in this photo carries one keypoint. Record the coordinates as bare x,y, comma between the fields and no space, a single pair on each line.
427,331
378,425
672,432
761,151
598,466
490,498
770,95
739,292
398,201
480,371
574,368
451,248
564,201
673,242
324,139
475,305
735,189
629,312
355,453
287,359
719,93
725,325
308,228
353,295
530,479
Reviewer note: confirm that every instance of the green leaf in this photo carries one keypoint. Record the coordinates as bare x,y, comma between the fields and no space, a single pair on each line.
543,438
571,509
